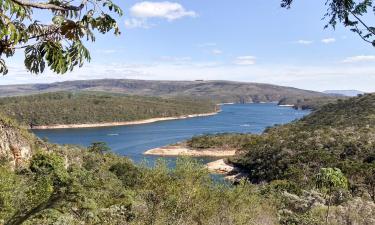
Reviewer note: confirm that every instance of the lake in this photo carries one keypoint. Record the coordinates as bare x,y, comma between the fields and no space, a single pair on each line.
133,140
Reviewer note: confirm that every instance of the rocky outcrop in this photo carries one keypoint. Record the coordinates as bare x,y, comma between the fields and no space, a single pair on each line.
232,173
15,144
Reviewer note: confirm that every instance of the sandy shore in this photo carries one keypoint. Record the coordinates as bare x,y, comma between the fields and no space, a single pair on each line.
136,122
180,150
286,105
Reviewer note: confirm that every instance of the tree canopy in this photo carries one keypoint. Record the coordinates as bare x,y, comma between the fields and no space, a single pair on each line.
350,13
58,43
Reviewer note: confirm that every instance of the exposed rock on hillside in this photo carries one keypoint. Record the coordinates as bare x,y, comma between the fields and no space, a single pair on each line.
16,144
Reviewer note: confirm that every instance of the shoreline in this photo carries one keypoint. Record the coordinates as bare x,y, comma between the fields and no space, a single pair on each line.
180,150
135,122
125,123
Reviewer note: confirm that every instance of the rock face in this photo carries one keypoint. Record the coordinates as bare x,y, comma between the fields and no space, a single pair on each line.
15,145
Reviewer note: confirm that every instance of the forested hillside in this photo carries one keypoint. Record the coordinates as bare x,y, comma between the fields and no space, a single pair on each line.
310,103
94,107
217,91
338,135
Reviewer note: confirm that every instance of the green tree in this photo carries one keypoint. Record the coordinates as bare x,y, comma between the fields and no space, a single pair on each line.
59,42
48,187
329,180
99,147
350,13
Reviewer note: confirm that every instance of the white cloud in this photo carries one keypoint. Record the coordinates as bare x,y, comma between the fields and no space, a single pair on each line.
166,10
245,60
216,52
304,42
136,23
328,40
360,58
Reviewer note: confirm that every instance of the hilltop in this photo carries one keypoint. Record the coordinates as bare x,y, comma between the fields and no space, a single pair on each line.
217,91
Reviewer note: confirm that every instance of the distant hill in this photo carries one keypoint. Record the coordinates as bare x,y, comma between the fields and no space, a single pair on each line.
217,91
348,93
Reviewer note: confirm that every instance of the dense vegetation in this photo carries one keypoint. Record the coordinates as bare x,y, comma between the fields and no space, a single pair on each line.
87,107
74,185
219,141
70,185
310,103
339,135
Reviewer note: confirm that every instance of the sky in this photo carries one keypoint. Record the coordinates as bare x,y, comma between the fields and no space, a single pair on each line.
240,40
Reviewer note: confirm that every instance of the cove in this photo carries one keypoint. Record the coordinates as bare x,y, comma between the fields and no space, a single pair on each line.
132,141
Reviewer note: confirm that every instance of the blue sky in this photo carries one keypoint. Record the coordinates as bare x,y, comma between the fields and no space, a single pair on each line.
254,41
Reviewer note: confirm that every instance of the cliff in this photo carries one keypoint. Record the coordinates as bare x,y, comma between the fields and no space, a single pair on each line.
16,144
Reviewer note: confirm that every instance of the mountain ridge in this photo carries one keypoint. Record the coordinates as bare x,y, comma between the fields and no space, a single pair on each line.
218,91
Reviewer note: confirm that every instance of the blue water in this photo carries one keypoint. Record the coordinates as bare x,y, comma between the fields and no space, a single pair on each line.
133,140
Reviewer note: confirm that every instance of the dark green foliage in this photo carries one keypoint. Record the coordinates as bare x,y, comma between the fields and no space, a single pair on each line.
99,148
87,107
220,141
56,44
310,103
358,112
127,172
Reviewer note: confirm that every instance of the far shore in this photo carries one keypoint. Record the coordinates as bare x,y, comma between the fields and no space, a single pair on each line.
126,123
182,150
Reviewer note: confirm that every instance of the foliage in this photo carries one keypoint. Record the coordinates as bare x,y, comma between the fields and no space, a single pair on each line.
187,195
88,107
338,135
219,141
99,148
115,191
329,179
57,43
309,103
351,14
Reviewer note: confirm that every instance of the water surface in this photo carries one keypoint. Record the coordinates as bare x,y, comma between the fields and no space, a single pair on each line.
133,140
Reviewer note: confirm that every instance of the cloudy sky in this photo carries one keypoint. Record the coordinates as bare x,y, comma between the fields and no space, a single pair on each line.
242,40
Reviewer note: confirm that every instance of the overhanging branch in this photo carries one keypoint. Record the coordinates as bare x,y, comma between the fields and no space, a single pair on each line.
41,5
